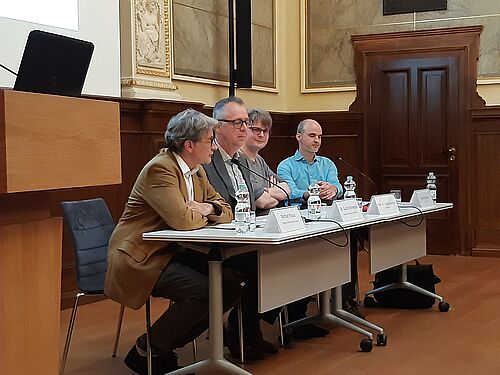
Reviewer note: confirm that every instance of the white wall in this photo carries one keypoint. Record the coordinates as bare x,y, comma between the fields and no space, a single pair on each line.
98,23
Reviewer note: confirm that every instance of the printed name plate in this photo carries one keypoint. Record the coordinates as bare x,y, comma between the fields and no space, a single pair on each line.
283,220
422,198
345,210
384,204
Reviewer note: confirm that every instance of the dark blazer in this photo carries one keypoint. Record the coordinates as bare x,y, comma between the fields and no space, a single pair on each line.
219,178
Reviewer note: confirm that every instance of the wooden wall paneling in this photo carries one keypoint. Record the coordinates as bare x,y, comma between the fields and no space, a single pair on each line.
142,124
30,282
282,142
485,182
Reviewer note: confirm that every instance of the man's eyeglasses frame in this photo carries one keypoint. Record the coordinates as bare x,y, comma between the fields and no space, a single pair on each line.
238,123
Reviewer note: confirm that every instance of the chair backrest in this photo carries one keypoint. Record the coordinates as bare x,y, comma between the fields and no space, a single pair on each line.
91,225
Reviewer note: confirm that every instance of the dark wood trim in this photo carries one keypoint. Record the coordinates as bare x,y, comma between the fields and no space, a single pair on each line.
485,182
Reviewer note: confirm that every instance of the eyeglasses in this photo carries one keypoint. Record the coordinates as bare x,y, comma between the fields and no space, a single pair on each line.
210,141
258,131
238,123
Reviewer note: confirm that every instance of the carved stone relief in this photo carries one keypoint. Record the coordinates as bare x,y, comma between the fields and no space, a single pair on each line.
146,66
150,46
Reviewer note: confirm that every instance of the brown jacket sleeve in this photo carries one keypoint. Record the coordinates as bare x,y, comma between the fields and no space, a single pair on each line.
165,192
211,196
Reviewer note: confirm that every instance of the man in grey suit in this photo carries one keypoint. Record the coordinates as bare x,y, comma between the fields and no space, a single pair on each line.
230,135
225,177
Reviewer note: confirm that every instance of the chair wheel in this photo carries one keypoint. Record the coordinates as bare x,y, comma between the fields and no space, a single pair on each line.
369,302
443,306
366,345
381,340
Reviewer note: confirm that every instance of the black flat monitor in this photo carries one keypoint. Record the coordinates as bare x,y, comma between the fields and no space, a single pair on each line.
54,64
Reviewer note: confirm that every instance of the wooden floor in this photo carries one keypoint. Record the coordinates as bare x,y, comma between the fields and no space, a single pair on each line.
465,340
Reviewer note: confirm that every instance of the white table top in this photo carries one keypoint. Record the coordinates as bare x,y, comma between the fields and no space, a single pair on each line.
224,233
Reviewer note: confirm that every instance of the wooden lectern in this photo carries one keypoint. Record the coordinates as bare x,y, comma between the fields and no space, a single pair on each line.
46,142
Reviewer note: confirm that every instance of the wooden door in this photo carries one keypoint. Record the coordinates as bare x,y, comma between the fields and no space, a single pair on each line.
413,128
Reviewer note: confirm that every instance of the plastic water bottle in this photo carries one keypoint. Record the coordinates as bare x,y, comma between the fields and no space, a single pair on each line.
431,185
349,186
314,201
242,209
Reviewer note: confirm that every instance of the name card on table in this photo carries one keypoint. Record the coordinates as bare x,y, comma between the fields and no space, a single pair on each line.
384,204
344,210
283,220
422,198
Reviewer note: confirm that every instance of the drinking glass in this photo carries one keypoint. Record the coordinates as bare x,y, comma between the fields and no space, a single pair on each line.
252,223
324,213
397,195
360,202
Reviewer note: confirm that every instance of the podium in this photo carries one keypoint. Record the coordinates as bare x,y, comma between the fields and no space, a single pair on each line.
47,142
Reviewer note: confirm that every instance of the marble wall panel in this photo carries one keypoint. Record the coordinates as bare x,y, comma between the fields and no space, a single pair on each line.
211,6
330,24
263,56
201,42
330,57
489,56
263,13
349,13
463,8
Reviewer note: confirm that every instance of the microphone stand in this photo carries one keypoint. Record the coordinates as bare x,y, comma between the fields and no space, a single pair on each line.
239,164
357,170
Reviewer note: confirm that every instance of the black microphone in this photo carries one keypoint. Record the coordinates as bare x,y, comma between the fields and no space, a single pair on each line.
7,69
357,170
239,164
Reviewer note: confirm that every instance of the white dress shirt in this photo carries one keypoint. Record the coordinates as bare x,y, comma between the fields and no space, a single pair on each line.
187,173
234,172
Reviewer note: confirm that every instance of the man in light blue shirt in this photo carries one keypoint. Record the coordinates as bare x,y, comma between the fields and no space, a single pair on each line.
301,169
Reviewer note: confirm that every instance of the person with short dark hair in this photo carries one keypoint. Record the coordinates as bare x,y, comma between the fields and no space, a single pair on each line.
171,192
226,176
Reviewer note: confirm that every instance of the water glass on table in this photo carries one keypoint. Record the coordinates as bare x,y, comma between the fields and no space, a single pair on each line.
252,224
397,195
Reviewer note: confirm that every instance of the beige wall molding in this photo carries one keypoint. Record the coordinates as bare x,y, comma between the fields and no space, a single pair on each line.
146,49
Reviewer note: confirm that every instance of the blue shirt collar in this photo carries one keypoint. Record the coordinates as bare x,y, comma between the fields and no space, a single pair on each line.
299,157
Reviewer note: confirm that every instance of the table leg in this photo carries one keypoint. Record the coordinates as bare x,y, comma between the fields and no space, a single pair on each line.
215,361
341,313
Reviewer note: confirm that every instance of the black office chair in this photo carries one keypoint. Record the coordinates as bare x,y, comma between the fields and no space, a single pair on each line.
91,226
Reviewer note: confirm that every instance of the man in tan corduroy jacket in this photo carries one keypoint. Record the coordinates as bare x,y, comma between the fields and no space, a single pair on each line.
171,192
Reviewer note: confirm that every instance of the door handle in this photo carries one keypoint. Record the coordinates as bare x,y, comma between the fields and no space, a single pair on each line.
451,153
